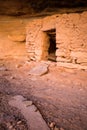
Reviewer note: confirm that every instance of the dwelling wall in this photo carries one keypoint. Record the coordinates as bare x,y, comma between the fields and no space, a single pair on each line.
71,37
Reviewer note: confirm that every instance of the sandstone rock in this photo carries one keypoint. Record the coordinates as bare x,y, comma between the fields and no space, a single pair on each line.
3,68
70,38
61,128
60,59
19,65
82,60
60,53
56,128
17,37
34,119
72,66
78,54
12,77
10,127
39,70
28,103
18,98
52,125
19,122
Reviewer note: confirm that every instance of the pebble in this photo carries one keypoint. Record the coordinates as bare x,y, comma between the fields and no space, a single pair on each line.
19,122
8,124
12,77
3,68
10,127
28,103
52,125
18,66
39,70
56,128
61,128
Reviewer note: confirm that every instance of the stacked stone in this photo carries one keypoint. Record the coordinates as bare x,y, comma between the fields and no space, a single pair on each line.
71,38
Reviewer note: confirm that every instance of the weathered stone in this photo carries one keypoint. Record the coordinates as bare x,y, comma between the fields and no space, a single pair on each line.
28,103
60,53
3,68
52,125
19,65
56,128
61,128
12,77
49,23
39,70
60,59
79,54
19,98
71,65
19,122
70,37
82,60
33,117
17,37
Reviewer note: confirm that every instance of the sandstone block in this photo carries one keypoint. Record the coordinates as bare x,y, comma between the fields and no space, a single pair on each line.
71,65
60,59
79,54
60,53
17,37
82,60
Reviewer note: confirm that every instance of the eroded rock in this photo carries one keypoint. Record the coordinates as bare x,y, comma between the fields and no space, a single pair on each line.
39,70
17,37
31,114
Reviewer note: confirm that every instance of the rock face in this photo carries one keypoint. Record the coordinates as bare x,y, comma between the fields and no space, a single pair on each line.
17,38
67,31
17,7
34,119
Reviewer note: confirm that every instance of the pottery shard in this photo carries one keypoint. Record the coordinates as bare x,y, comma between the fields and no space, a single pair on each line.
17,37
39,70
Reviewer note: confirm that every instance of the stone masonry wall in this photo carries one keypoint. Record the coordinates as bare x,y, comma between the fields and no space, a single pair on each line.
71,38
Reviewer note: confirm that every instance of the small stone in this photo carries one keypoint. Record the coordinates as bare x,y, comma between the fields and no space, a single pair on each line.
39,70
27,103
56,128
3,68
12,77
8,124
19,98
33,108
10,127
52,125
18,66
61,128
19,122
13,129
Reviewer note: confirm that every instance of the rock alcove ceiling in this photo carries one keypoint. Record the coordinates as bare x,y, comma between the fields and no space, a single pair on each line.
23,7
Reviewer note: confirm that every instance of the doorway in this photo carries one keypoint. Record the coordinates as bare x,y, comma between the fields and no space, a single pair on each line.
48,47
52,45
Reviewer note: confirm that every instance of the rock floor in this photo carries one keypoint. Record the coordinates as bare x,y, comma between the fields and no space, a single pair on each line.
60,95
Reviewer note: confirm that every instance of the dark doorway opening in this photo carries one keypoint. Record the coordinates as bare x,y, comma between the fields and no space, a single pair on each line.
52,45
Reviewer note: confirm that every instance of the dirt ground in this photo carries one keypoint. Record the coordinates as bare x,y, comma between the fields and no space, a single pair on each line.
60,95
